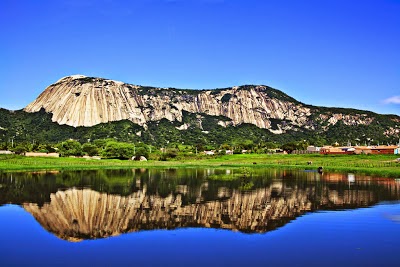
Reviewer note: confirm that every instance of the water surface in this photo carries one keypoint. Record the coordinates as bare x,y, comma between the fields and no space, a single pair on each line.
195,217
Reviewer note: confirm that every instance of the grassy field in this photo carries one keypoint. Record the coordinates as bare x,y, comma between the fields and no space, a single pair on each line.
382,165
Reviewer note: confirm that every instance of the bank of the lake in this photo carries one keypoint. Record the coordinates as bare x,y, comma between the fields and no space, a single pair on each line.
382,165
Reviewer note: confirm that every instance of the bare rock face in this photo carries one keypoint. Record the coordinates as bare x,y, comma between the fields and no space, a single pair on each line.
84,101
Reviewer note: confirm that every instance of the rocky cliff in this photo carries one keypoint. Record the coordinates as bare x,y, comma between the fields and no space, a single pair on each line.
83,101
87,101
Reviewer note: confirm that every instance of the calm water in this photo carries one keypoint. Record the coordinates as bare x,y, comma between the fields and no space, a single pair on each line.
190,217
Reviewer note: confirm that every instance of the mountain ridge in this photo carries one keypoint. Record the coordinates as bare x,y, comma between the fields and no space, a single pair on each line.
83,108
86,101
79,100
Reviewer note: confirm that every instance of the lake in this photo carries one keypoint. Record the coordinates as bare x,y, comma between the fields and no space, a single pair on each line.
198,217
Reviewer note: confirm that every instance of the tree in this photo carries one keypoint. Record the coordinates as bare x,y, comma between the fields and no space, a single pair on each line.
3,146
271,145
302,145
170,153
43,148
289,147
90,149
19,149
70,148
200,147
141,152
119,150
247,144
225,147
101,143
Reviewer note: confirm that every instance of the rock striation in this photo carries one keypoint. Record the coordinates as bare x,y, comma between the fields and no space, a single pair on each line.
86,101
83,101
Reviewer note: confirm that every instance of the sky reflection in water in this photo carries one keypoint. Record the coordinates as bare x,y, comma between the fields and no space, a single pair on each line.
365,236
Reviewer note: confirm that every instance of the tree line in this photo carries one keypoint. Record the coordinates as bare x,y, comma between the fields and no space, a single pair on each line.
112,149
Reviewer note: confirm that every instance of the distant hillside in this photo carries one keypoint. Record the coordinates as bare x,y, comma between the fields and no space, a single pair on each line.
85,108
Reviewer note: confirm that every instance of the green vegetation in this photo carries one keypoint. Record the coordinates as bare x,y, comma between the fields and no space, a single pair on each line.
165,145
118,150
38,186
88,79
70,148
37,129
240,173
90,149
382,165
204,130
21,128
243,175
226,98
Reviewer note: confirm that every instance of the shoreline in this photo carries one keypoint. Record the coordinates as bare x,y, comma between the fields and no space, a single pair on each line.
377,165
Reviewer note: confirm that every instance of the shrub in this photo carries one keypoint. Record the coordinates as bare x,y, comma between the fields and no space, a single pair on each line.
141,152
90,149
19,149
118,150
70,148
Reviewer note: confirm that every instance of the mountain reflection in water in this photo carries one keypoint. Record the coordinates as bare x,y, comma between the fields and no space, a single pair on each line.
97,204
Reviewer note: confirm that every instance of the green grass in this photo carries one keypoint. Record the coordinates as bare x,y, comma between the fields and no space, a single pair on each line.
382,165
241,173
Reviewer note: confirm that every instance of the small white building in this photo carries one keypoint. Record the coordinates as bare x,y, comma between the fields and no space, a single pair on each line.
5,152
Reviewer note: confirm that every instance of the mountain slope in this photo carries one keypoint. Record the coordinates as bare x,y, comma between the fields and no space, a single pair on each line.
37,127
87,101
85,108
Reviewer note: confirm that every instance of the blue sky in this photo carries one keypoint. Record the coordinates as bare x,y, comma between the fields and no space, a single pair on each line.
343,53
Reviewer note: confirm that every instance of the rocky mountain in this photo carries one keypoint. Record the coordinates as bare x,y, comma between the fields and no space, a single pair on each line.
83,108
86,101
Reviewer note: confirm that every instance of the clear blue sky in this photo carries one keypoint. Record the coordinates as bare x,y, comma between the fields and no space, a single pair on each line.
343,53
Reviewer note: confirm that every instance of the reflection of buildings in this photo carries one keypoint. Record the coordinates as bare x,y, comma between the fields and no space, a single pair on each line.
77,214
391,185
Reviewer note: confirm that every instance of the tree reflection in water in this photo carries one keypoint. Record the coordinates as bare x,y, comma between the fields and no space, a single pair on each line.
96,204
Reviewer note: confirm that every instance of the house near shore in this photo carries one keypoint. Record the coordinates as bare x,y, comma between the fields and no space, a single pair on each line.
313,149
331,150
375,150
